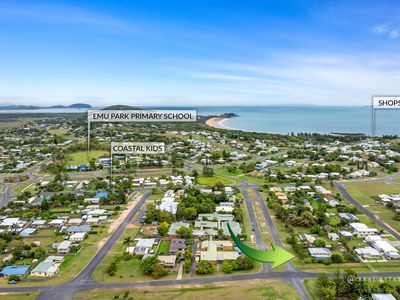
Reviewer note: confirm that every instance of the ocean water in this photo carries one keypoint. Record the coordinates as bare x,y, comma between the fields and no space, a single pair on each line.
311,119
288,119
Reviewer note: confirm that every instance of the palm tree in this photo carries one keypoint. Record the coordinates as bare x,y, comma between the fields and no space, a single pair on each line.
127,241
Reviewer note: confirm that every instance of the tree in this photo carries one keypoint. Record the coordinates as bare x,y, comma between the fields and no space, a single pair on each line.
158,271
112,268
325,288
127,241
189,213
208,172
205,267
163,228
243,263
337,258
14,278
151,266
184,232
227,267
39,253
148,263
319,243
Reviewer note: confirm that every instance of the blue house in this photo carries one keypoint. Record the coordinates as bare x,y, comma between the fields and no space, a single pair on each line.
77,229
27,232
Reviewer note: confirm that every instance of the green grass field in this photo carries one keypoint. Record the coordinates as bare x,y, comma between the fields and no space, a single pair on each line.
19,296
240,290
224,171
127,271
363,193
72,265
320,268
211,181
60,131
164,247
81,157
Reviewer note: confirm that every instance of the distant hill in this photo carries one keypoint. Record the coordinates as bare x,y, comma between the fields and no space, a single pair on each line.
32,107
121,107
80,105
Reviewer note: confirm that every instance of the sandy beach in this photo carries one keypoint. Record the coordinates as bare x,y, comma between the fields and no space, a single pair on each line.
215,122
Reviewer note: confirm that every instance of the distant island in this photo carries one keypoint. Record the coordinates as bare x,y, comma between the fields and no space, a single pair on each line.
121,107
33,107
230,115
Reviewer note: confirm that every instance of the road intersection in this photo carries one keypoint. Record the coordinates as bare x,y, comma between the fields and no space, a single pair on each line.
85,281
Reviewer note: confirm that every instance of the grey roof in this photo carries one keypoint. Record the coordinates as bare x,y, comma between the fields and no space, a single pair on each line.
177,244
81,228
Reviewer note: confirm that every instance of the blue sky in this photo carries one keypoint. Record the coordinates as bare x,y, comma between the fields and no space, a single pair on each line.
199,52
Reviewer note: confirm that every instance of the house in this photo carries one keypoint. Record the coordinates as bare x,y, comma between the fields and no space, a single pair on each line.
27,232
346,234
95,212
333,236
216,251
55,258
362,230
323,191
205,225
308,238
75,221
77,237
143,246
19,270
367,253
386,248
348,217
168,206
64,247
175,226
148,243
320,253
92,200
137,250
235,226
39,224
45,269
76,229
227,207
56,223
167,260
7,258
10,222
177,245
91,220
381,296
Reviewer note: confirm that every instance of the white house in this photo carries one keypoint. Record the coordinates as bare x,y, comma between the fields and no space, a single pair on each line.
362,230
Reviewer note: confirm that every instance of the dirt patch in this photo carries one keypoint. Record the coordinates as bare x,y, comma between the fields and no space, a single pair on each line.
121,217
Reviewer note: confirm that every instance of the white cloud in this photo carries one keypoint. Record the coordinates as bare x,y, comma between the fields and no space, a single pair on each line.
67,14
394,34
380,29
387,31
318,78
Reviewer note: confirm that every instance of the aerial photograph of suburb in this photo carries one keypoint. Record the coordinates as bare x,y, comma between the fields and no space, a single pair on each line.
199,149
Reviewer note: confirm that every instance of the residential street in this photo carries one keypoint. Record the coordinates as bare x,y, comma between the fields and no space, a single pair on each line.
293,276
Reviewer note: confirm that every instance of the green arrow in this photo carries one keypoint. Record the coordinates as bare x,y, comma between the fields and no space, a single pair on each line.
277,256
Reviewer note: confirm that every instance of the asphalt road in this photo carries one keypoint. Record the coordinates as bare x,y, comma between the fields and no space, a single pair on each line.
295,282
7,197
86,276
254,224
85,281
364,210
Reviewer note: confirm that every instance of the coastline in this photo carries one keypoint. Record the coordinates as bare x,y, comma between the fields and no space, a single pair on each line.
215,122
